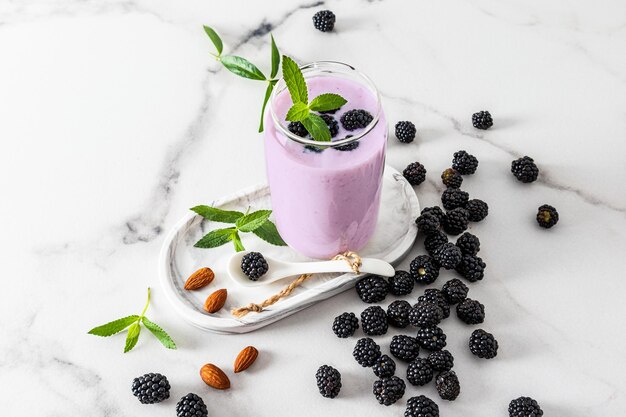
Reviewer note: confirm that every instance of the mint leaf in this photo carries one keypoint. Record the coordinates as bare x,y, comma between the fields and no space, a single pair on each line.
298,112
215,238
132,337
217,215
242,67
113,327
268,93
159,333
251,221
317,127
275,58
327,101
237,242
215,39
295,81
268,232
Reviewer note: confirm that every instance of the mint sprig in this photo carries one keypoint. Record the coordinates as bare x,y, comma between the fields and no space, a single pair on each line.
134,321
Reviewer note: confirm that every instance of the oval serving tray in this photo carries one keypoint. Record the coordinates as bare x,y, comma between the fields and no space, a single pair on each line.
392,240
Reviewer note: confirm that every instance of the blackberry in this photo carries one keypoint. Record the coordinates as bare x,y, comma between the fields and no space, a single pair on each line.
421,406
470,311
398,313
348,146
415,173
425,314
448,386
254,265
389,390
431,338
483,344
456,221
404,347
468,243
419,372
448,255
324,20
345,325
297,128
424,269
454,291
366,352
332,124
434,240
355,119
427,224
436,210
464,163
191,405
525,169
441,360
328,381
433,295
401,283
482,120
151,388
312,148
453,197
384,367
451,178
472,268
374,321
477,209
547,216
372,289
405,131
524,407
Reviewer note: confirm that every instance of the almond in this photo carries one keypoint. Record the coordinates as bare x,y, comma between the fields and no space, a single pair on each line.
201,278
245,358
215,301
214,377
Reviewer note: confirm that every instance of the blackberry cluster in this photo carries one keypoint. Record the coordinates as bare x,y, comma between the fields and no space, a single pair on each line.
356,119
427,224
482,120
297,128
348,146
332,124
384,367
374,321
524,407
434,240
453,197
345,325
405,131
433,295
415,173
421,406
525,169
477,209
431,338
254,265
419,372
456,221
483,344
398,313
328,381
425,314
389,390
547,216
191,405
468,243
454,291
401,283
472,268
464,163
372,289
441,360
366,352
435,210
448,255
448,386
324,20
451,178
424,269
404,347
151,388
470,311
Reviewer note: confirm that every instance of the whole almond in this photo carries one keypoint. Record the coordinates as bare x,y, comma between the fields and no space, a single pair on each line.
215,301
214,377
245,358
201,278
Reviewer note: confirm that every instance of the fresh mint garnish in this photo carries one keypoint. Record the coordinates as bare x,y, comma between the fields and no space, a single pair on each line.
242,67
295,81
298,112
326,102
317,127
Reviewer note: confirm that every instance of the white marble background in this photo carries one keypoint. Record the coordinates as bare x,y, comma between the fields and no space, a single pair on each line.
114,120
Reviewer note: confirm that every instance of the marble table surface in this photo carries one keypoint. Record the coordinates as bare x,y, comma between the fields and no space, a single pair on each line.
115,120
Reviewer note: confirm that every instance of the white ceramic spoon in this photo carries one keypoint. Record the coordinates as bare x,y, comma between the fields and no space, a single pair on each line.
279,269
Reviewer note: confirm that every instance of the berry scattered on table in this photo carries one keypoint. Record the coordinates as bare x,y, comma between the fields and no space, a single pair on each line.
547,216
468,243
415,173
441,360
477,209
471,267
456,221
452,198
401,283
324,20
482,120
355,119
405,131
425,314
448,255
332,124
374,321
451,178
389,390
435,296
525,169
384,367
434,240
366,352
470,311
431,338
424,269
151,388
483,344
421,406
427,223
524,407
419,372
454,291
328,381
436,210
464,163
404,347
345,325
254,265
372,289
191,405
398,313
448,386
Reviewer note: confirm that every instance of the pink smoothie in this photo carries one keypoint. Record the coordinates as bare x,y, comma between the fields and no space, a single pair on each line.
326,202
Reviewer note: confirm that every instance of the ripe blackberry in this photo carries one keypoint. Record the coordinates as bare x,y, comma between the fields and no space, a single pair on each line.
436,210
525,169
424,269
454,291
477,209
468,243
404,347
348,146
254,265
421,406
434,240
332,124
374,321
328,381
405,131
401,283
345,325
456,221
324,20
372,289
191,405
431,338
441,360
451,178
419,372
366,352
547,216
384,367
433,295
448,255
470,311
415,173
427,224
464,163
151,388
483,344
355,119
472,268
448,385
453,197
425,314
297,128
398,313
389,390
482,120
524,407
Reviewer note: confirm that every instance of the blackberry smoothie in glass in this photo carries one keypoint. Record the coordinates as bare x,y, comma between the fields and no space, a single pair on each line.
326,195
